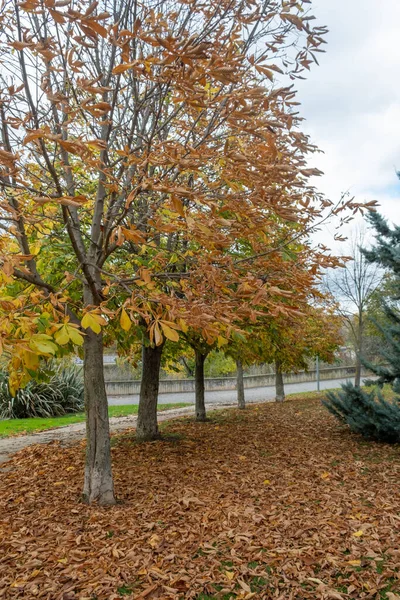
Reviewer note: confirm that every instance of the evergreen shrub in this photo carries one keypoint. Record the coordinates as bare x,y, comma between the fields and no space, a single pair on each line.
366,412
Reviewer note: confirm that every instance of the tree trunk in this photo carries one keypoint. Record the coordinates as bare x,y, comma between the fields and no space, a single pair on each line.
98,485
357,377
279,386
240,384
199,386
147,426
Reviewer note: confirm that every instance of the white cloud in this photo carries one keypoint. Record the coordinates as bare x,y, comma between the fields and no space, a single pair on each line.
352,101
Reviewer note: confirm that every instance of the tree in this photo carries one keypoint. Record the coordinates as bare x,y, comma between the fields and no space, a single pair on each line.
375,343
385,254
244,351
292,340
353,287
147,426
146,139
279,385
240,384
202,349
369,413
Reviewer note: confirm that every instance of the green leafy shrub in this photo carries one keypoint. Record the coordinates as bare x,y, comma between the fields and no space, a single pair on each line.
62,394
367,413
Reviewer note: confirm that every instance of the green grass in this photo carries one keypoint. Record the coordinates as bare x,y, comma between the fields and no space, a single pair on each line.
18,426
315,395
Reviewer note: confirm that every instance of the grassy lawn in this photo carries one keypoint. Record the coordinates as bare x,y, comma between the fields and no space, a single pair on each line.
20,426
278,501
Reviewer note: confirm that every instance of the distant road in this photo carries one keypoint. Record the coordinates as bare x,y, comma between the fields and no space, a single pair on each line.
228,396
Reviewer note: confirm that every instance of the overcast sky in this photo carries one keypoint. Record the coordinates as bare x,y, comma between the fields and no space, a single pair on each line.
351,102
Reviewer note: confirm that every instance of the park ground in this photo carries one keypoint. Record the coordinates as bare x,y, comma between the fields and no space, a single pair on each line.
127,406
275,502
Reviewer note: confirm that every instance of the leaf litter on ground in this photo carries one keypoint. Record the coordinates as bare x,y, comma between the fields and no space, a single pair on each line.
275,502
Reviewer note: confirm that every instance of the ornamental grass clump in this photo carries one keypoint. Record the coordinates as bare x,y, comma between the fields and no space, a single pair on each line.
60,395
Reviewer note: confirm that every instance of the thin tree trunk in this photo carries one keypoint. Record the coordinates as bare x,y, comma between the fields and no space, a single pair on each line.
147,426
98,485
199,386
240,384
357,378
279,386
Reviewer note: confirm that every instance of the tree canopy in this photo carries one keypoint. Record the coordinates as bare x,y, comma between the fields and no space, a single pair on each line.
151,177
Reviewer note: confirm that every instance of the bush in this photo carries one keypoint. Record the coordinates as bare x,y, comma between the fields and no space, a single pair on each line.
62,394
367,413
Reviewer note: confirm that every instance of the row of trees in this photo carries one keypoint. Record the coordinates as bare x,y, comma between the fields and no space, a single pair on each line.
154,186
287,342
371,413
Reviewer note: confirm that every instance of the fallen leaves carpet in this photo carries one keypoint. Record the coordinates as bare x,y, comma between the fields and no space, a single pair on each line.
278,501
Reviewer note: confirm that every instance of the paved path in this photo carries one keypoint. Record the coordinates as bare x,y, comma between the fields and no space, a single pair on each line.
75,432
214,400
252,394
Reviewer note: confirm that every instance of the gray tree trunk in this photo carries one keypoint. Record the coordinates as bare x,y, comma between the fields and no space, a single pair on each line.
279,386
357,377
240,384
98,485
147,426
199,387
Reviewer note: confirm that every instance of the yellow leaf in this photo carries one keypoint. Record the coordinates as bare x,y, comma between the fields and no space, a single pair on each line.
75,336
35,573
230,575
85,322
43,346
325,475
98,318
266,482
242,457
169,333
89,321
18,583
125,321
354,563
31,360
221,341
183,325
358,533
61,336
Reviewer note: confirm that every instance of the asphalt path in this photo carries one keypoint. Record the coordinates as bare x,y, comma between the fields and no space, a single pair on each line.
229,396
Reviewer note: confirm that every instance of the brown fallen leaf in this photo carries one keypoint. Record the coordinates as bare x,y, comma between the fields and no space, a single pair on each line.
297,528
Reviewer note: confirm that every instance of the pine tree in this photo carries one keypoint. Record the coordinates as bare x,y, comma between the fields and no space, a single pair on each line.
365,412
386,253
